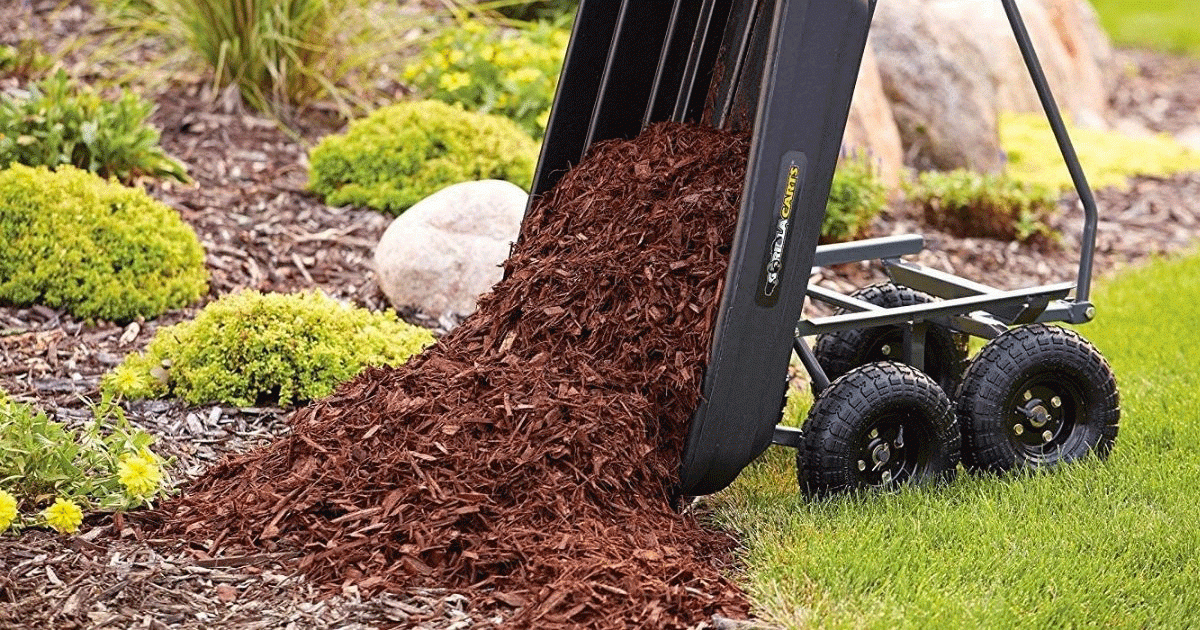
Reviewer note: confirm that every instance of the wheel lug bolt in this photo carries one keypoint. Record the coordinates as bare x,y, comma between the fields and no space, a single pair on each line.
874,434
1056,402
887,350
1028,395
886,477
1018,429
862,465
1047,436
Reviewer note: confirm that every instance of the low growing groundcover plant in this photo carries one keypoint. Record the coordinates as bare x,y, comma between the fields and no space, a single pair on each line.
970,204
250,348
1108,158
93,247
50,474
405,152
856,196
56,121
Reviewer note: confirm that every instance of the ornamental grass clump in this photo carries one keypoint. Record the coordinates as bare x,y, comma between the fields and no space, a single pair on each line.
251,349
51,474
403,153
279,54
95,248
508,72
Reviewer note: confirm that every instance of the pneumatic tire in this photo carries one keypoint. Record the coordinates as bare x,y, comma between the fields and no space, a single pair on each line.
879,425
1037,396
841,351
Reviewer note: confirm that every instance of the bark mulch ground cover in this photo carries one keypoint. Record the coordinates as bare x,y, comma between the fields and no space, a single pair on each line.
263,230
528,456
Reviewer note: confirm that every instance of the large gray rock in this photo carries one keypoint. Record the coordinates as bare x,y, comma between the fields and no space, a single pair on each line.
949,67
871,130
447,250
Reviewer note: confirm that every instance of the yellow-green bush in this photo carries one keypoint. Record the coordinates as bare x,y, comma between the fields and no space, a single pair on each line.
1108,158
93,247
403,153
508,72
252,349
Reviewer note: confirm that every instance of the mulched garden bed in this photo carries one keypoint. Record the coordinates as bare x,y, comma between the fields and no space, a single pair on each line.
263,230
527,457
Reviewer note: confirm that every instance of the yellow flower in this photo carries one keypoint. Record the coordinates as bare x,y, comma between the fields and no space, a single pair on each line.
139,474
524,76
411,72
452,81
129,382
64,516
455,56
8,510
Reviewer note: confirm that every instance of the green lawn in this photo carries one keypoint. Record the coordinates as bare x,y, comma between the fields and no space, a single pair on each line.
1094,544
1172,25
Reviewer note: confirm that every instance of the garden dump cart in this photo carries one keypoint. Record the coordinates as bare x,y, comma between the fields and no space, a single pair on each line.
784,72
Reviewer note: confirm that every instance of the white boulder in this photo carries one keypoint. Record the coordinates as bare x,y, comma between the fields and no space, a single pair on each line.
447,250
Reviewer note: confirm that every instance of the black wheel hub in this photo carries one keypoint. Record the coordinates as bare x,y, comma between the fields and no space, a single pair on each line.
891,451
1042,415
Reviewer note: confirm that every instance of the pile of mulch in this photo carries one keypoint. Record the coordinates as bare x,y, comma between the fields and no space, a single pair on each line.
527,458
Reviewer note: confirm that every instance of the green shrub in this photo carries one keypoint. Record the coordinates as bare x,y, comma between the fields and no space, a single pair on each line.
55,123
966,203
107,465
96,248
403,153
510,72
252,349
856,197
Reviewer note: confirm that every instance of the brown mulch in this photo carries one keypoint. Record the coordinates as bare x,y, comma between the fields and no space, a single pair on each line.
250,205
528,455
92,581
1158,92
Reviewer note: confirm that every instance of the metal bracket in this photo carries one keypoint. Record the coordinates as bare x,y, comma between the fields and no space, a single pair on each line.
787,436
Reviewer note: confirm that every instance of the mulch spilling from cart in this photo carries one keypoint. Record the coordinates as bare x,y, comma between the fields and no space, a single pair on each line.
527,457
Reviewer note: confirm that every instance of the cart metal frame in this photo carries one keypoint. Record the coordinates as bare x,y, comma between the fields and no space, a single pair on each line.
785,71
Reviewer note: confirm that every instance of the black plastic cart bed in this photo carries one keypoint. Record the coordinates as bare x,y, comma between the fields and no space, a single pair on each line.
784,70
